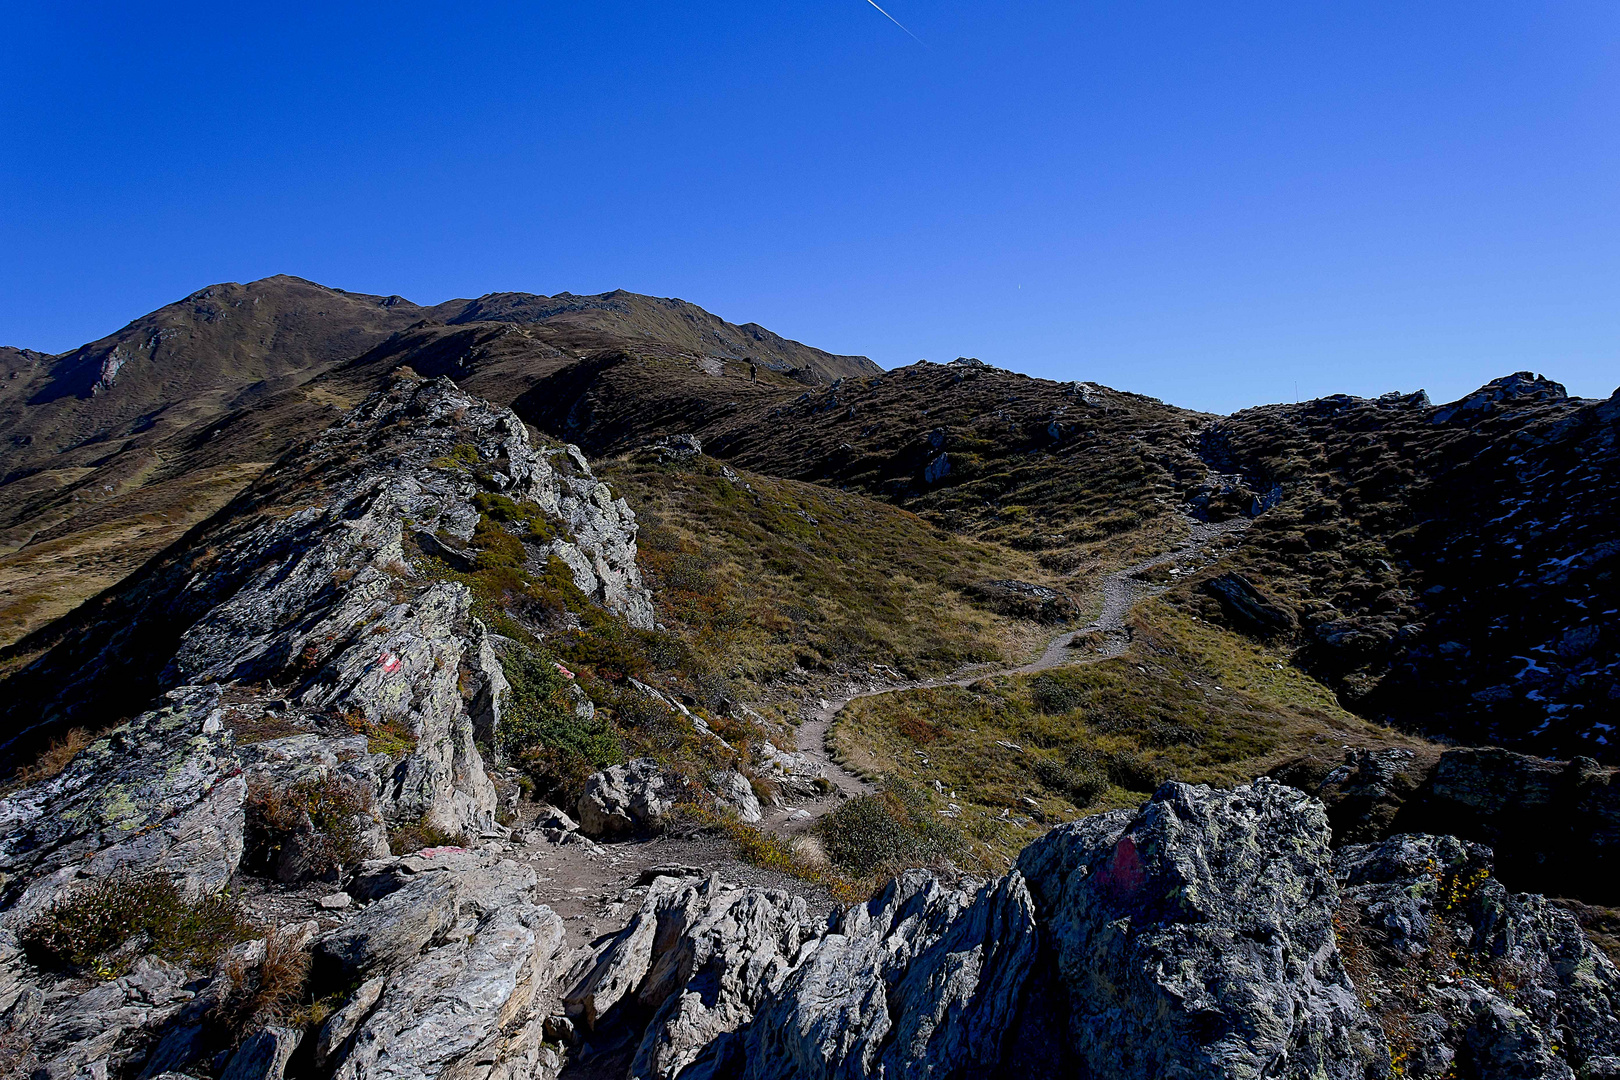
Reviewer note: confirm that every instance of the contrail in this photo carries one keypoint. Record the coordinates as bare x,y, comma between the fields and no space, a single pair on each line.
898,23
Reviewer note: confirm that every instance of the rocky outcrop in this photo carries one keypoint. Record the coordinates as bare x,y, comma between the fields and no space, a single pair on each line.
691,967
450,972
1466,978
925,980
637,796
320,678
451,967
621,800
1200,936
1555,826
309,580
161,794
1250,610
1210,934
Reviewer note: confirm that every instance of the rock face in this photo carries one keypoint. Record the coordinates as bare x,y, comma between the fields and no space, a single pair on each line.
162,793
307,578
925,980
1468,978
309,582
319,677
1200,936
1555,826
1210,934
451,964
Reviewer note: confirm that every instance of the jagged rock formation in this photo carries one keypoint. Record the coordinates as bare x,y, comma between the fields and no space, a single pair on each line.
302,582
1210,933
316,688
1203,935
451,957
1554,825
1466,978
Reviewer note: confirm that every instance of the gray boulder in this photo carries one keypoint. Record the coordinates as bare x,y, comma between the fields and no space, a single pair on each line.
422,902
1467,976
263,1055
157,794
465,1009
1251,610
926,980
624,799
392,932
1198,937
733,791
693,964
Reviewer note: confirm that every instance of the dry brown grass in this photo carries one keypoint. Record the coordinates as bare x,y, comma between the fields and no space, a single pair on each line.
260,994
761,575
48,578
57,756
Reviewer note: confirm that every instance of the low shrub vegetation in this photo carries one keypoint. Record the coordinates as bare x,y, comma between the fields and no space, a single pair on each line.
542,730
761,575
391,737
315,821
103,927
1188,701
419,835
270,991
892,829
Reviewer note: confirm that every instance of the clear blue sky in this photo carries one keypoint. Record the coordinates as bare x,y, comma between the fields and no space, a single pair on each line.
1211,203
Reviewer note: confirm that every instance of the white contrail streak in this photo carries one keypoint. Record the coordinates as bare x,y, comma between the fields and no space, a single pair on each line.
898,23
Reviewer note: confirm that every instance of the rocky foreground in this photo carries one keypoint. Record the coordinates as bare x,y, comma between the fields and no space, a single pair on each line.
1209,933
323,711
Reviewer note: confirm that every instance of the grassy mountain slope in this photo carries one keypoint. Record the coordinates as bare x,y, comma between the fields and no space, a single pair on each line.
764,576
117,447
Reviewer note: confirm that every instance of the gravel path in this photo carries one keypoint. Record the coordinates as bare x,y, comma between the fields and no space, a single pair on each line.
1106,637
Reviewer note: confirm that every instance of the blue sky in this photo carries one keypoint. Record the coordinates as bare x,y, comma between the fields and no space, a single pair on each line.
1217,204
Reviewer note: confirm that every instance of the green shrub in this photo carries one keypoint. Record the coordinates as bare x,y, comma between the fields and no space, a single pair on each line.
389,737
1080,782
82,931
502,508
1054,694
464,456
893,828
542,731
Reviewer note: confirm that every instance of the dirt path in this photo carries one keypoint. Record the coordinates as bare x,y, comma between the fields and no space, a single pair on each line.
591,885
1105,637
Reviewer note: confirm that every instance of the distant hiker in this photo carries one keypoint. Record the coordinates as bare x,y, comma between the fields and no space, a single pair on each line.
753,371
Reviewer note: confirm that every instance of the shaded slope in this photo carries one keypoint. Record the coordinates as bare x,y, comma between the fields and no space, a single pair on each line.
1450,568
